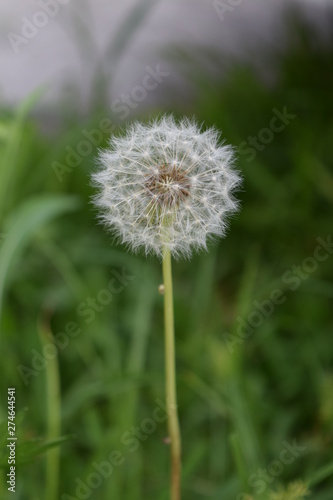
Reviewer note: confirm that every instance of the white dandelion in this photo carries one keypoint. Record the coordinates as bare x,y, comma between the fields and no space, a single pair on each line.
167,185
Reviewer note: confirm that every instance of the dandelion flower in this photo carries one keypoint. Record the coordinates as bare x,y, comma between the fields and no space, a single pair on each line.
166,185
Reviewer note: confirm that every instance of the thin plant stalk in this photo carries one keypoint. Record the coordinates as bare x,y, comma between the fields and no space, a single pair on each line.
53,399
170,378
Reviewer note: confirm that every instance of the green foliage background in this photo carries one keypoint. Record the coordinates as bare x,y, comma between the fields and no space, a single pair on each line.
239,399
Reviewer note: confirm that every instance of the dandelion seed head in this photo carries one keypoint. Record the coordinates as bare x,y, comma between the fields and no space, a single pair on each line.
166,184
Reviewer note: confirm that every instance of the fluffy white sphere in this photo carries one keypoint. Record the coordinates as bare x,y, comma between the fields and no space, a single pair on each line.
166,184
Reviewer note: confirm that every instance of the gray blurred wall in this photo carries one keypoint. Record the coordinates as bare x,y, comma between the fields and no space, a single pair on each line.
62,44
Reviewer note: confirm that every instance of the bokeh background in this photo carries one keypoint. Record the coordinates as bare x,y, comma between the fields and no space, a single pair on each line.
81,320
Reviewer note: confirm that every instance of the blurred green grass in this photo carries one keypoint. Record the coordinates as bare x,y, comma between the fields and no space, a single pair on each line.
236,408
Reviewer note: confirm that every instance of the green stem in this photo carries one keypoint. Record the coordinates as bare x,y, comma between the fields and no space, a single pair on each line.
53,418
170,373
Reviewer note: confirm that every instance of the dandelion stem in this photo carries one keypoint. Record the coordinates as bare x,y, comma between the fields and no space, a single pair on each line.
170,373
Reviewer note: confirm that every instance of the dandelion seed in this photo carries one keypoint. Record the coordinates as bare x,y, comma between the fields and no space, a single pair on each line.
167,185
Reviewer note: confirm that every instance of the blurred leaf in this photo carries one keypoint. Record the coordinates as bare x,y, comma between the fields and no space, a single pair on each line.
12,149
27,219
127,30
30,449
